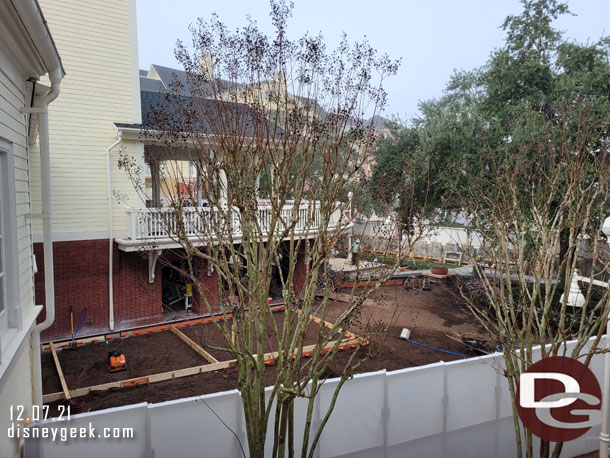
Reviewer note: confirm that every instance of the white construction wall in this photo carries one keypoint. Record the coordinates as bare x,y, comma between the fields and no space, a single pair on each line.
456,409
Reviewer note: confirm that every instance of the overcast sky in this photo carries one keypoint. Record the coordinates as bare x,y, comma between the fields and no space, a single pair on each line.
433,37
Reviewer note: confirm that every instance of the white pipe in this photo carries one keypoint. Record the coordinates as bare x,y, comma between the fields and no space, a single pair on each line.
110,236
47,230
590,280
604,436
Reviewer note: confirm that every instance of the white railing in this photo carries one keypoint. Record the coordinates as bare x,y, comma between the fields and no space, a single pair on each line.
162,223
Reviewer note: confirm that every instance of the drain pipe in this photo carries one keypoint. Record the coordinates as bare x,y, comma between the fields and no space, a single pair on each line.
41,107
110,235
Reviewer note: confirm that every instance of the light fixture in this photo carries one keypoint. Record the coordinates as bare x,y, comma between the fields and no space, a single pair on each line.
575,296
606,228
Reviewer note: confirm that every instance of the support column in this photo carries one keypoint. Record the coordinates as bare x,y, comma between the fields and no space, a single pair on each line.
223,187
198,184
155,173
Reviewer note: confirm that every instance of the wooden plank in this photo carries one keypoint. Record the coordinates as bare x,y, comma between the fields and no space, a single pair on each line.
278,307
52,397
64,387
329,325
309,348
193,345
179,373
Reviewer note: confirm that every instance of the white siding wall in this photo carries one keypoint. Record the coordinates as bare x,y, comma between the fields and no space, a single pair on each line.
98,44
15,383
13,129
15,390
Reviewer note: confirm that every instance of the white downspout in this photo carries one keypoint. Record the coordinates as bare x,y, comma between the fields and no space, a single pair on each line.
110,235
41,107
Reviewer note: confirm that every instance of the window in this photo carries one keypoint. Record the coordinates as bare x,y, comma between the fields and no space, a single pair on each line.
3,231
8,239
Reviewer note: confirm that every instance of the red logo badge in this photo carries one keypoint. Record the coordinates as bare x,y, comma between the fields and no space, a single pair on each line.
559,399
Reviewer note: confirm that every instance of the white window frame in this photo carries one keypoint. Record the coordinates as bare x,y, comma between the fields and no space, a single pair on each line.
8,219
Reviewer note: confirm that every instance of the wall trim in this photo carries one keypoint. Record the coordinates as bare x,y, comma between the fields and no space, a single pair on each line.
17,344
135,64
74,236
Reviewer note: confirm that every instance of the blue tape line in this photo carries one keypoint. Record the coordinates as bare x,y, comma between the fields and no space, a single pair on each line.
434,348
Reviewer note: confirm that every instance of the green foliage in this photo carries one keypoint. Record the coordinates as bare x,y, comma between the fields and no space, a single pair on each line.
487,114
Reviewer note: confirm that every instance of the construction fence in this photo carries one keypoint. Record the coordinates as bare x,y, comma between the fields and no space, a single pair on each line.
432,245
455,409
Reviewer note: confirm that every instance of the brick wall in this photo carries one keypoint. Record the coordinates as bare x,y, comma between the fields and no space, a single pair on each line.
81,281
209,286
135,298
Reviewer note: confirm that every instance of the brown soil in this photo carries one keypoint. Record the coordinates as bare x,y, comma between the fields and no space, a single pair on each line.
208,336
430,315
146,354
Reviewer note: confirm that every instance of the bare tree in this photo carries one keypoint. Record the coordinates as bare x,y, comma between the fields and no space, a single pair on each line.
552,179
273,131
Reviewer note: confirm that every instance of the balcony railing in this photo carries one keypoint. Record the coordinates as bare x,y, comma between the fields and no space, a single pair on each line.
148,224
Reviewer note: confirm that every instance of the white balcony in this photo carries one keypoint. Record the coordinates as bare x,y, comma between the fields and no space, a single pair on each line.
157,227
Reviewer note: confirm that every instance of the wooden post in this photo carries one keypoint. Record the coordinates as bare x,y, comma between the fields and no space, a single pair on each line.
64,387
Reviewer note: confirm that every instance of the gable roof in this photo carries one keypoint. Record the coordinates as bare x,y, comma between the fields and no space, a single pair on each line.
168,75
378,121
172,106
151,85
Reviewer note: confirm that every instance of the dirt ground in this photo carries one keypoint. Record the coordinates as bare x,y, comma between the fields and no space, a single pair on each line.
146,354
430,315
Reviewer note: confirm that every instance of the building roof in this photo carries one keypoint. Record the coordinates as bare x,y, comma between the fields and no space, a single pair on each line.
167,76
155,84
159,79
24,31
151,85
173,107
378,121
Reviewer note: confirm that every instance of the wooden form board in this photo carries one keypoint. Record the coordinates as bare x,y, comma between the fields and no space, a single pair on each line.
350,335
214,365
150,329
309,348
193,345
62,379
179,373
